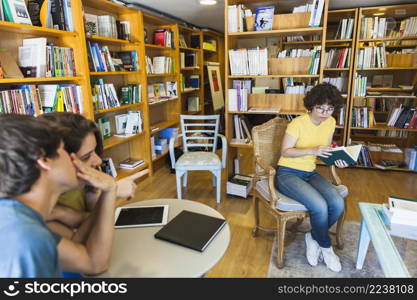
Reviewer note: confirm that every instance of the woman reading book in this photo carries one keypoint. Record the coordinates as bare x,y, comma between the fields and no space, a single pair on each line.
306,137
82,137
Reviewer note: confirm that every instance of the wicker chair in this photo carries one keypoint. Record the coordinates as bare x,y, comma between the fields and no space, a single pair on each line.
267,146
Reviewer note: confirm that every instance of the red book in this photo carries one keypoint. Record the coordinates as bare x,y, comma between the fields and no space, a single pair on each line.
159,37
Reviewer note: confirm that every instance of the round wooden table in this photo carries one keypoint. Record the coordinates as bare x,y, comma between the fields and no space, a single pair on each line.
137,253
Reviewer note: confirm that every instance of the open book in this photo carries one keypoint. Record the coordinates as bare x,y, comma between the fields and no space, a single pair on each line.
349,154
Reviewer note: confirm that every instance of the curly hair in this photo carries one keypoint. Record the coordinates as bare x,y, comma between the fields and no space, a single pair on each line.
324,93
75,128
23,140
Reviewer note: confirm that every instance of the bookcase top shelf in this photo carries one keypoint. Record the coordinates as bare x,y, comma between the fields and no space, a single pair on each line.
35,30
159,47
281,32
113,73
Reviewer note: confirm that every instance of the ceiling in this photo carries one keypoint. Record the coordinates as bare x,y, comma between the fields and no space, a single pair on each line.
212,16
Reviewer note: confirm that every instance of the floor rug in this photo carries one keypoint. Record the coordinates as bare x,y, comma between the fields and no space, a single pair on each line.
296,264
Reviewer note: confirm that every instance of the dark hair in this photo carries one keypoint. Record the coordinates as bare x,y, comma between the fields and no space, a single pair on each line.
324,93
23,140
75,128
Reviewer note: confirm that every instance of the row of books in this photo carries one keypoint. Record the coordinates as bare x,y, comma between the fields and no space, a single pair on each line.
238,99
102,60
372,28
403,117
58,13
253,61
360,86
236,15
163,37
337,58
39,58
339,82
193,103
162,90
382,104
105,96
159,65
372,57
126,125
188,59
106,26
316,9
344,29
189,82
35,100
242,130
407,27
392,133
300,38
363,117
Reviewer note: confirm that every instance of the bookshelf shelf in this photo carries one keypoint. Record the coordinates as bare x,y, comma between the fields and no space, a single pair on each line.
414,37
160,101
384,127
35,30
161,75
339,41
160,156
108,40
209,51
37,80
389,69
190,49
335,69
283,32
113,73
190,68
159,47
114,141
318,42
186,91
162,125
122,173
129,106
273,76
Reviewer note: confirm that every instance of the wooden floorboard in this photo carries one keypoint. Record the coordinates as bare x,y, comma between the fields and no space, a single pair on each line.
248,256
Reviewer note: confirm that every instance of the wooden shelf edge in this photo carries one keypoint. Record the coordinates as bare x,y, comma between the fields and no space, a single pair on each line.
122,173
103,111
38,79
115,141
159,156
23,28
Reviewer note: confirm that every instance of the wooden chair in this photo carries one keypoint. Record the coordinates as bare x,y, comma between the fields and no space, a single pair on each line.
199,132
267,140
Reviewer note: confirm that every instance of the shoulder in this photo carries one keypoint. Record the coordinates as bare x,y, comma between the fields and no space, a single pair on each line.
300,120
330,122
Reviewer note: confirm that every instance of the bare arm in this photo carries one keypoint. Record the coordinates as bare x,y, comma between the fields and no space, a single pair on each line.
67,216
288,148
89,252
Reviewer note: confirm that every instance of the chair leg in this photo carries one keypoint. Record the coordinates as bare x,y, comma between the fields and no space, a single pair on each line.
218,185
256,213
179,187
339,229
214,180
184,182
281,238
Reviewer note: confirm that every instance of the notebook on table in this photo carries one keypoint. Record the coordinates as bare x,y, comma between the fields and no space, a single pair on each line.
192,230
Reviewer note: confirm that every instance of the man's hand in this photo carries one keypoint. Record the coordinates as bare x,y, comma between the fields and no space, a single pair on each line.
126,187
93,177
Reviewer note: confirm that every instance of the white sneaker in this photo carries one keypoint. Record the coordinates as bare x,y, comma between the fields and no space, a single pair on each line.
312,250
331,259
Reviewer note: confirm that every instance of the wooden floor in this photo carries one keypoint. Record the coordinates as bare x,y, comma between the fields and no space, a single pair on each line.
248,256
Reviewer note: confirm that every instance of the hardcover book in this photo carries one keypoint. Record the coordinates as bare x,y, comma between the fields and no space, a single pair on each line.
349,154
264,18
191,230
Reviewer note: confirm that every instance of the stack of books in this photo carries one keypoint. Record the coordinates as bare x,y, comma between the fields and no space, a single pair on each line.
238,96
101,60
160,91
59,98
242,130
252,61
363,117
410,159
236,15
130,94
372,28
339,82
360,86
107,26
344,29
338,58
130,163
372,57
403,117
401,217
159,65
239,185
128,124
104,94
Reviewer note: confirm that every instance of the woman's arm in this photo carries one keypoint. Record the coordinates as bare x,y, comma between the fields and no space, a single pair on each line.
288,148
67,216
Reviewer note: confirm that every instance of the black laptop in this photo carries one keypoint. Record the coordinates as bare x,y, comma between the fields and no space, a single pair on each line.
192,230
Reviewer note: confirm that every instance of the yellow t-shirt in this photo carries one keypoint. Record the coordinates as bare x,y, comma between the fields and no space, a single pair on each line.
74,199
308,135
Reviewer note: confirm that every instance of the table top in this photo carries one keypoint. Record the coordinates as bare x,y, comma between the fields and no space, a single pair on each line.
137,253
388,256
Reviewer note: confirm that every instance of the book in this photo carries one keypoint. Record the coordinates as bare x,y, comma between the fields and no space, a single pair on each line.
388,164
91,24
264,18
108,167
349,154
131,163
239,185
192,230
16,11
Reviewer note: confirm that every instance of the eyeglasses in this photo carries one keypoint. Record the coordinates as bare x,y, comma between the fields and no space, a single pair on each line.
323,110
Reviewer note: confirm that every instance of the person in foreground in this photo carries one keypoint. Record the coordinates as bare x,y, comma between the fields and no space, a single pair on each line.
306,137
36,170
82,137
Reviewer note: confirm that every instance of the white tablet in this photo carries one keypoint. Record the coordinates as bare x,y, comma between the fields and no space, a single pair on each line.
140,216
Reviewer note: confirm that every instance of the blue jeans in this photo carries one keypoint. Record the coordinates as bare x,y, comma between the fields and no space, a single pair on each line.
318,195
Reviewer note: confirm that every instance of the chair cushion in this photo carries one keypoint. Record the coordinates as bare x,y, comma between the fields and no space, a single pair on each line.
287,203
198,158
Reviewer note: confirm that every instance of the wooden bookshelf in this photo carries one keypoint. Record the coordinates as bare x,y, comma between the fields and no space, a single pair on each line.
250,39
401,76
